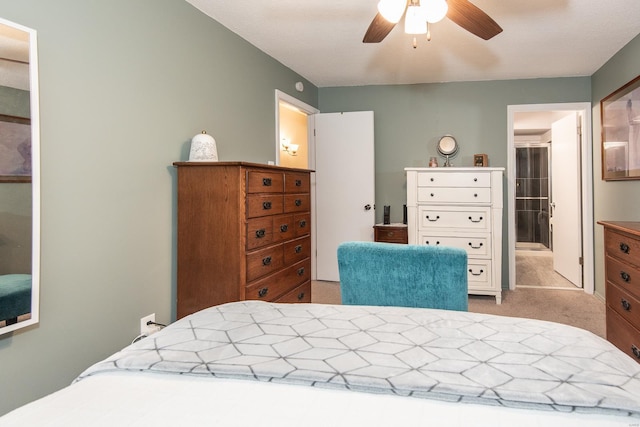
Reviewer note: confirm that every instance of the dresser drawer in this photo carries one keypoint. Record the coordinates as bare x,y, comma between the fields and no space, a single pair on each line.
468,218
259,232
476,246
446,179
297,250
264,182
627,306
624,275
622,246
390,233
297,182
300,294
454,195
479,273
297,202
272,287
284,227
264,261
264,204
302,224
623,335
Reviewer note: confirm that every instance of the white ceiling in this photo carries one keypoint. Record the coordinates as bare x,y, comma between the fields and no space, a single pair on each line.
322,40
14,58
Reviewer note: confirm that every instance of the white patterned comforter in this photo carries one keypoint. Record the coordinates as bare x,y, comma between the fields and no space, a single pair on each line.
434,354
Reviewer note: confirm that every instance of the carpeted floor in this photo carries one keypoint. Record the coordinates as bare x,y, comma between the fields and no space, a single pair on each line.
535,268
571,307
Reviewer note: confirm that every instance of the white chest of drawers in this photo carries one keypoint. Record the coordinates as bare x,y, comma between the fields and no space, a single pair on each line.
460,207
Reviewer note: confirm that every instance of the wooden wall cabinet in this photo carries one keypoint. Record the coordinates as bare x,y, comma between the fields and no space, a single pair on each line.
244,232
622,285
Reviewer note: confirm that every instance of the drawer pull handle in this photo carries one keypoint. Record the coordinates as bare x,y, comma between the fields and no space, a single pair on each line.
472,220
475,247
476,274
635,351
266,205
298,202
303,223
625,304
261,233
432,194
300,271
266,182
475,194
262,292
625,276
389,233
432,179
284,228
298,183
298,249
433,220
475,179
266,260
624,248
300,296
427,242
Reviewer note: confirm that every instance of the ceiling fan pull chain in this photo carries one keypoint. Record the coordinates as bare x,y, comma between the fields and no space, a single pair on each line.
415,43
428,33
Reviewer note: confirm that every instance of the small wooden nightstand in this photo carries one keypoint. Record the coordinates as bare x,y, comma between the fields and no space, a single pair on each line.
391,233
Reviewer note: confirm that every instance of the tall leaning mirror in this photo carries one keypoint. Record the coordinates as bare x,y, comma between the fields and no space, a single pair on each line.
19,178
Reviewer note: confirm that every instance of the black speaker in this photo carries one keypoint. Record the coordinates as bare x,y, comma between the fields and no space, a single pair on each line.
387,215
404,214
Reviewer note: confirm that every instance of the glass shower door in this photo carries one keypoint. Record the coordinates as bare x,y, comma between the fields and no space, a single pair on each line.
532,197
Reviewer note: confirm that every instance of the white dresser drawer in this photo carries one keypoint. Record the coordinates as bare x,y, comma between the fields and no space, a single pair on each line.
456,217
476,245
454,195
479,273
446,179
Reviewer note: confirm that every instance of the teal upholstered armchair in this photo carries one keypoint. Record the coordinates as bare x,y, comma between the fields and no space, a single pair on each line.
389,274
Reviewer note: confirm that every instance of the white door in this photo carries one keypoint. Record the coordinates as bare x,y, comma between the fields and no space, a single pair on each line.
345,191
565,198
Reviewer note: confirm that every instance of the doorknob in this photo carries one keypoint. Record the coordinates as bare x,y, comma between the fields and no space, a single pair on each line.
367,207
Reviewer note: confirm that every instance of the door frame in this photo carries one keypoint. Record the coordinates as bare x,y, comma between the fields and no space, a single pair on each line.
311,112
586,160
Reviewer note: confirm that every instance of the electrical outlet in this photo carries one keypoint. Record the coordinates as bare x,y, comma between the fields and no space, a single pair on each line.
148,329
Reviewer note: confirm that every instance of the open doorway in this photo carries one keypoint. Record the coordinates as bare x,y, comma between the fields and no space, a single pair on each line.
532,211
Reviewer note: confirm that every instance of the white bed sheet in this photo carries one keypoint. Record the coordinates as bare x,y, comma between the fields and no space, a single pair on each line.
130,399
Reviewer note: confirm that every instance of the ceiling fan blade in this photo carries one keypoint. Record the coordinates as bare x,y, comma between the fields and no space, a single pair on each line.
378,30
472,19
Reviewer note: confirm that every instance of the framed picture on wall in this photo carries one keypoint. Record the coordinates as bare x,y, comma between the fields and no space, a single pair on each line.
620,120
15,149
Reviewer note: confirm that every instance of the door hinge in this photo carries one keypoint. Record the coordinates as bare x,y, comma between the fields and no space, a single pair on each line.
581,260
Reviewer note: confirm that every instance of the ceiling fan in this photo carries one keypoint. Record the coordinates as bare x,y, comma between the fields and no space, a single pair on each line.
418,17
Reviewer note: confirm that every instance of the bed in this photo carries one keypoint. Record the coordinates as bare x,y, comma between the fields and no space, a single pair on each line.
257,363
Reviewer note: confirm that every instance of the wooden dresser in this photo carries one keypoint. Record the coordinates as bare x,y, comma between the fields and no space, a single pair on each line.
244,232
460,207
622,284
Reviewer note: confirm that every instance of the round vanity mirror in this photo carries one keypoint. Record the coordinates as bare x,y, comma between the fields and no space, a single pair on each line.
448,148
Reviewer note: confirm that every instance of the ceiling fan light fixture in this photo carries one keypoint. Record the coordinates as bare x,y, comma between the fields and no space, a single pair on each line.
415,20
435,10
391,10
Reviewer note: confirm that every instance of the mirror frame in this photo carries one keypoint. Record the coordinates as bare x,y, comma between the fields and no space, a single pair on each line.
35,178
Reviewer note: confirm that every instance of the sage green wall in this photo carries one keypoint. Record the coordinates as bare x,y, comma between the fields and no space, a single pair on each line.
409,120
613,200
124,86
15,102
